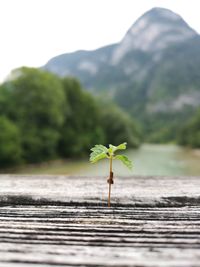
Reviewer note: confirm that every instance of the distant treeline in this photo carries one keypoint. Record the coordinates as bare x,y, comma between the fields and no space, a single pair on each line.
44,117
189,135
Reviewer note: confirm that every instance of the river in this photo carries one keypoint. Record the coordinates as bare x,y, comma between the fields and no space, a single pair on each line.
147,160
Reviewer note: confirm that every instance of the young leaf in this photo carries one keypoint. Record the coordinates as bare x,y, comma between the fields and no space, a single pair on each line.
98,152
112,148
121,146
125,160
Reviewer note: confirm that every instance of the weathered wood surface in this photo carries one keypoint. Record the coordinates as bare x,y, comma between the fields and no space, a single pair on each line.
64,221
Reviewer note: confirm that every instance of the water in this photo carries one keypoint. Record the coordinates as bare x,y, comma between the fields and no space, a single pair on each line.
148,160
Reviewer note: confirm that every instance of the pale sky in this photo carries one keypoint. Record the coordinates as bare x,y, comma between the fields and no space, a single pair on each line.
33,31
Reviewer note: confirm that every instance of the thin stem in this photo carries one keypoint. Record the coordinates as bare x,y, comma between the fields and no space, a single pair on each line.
111,159
110,181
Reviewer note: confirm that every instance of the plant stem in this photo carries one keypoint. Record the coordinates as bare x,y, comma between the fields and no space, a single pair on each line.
110,181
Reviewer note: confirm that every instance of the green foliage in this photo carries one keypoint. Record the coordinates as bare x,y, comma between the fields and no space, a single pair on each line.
37,98
100,152
125,160
81,127
112,149
41,145
118,126
50,117
34,100
189,135
10,143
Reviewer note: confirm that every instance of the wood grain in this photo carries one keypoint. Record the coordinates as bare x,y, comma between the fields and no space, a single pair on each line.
145,226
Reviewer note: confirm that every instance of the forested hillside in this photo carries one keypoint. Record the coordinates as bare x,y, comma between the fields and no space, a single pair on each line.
44,117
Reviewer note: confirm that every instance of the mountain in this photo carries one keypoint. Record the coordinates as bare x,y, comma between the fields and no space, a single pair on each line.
142,45
153,73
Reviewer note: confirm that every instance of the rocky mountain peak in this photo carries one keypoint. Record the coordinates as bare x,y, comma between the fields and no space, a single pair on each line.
153,31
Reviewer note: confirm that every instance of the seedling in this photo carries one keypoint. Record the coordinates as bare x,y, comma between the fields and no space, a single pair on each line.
101,152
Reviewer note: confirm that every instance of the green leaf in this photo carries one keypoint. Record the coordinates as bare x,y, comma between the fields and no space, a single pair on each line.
121,146
112,148
98,152
99,148
125,160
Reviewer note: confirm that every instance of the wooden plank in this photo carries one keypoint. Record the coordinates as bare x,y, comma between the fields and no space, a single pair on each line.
54,221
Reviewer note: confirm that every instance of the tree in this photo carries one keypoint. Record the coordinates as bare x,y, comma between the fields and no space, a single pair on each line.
189,134
10,143
36,105
82,126
119,126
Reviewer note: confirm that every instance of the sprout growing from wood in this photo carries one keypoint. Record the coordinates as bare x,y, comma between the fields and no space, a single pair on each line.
100,152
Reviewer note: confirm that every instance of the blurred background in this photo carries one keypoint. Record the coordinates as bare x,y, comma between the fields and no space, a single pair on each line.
79,73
